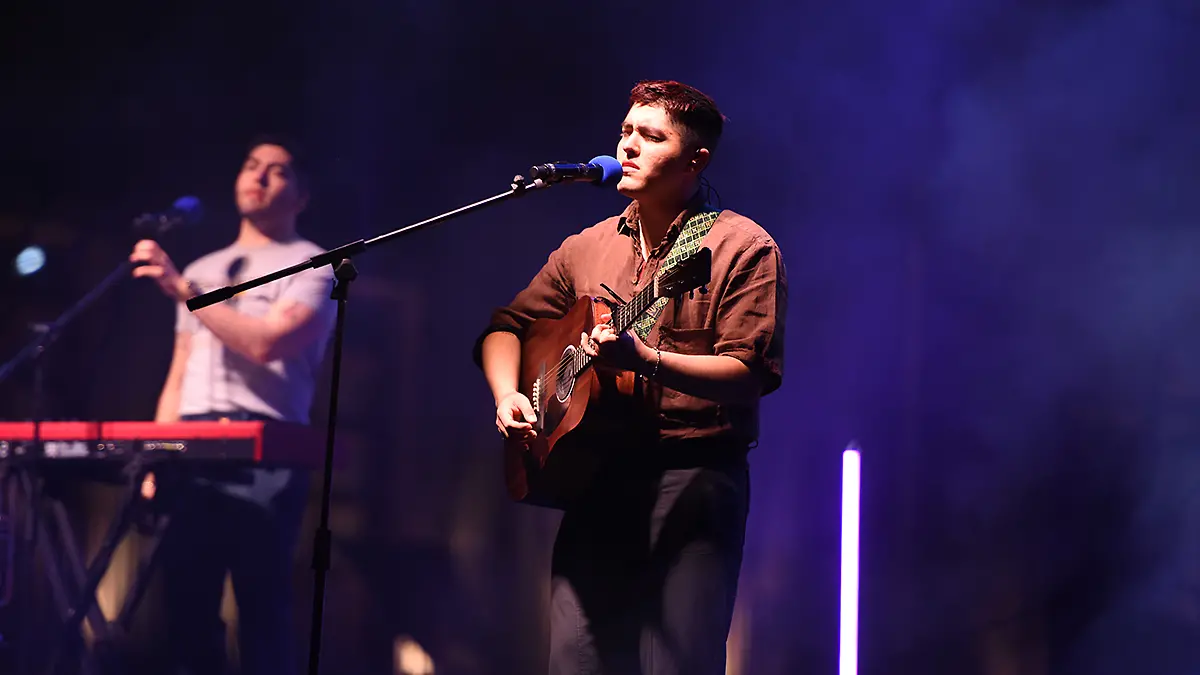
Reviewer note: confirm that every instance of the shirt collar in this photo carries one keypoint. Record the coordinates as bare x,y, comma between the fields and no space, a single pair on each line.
628,222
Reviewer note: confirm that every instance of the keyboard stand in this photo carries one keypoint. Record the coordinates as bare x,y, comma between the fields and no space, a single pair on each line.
132,508
47,536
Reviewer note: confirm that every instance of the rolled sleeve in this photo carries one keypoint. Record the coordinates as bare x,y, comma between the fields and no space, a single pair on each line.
185,321
313,289
751,316
549,295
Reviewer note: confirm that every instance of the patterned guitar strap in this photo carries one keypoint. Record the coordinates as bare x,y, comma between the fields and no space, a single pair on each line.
687,243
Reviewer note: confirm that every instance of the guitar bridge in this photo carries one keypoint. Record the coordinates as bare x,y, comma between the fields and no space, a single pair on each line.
536,401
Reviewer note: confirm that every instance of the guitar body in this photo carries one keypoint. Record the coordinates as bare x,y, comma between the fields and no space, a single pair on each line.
579,402
553,468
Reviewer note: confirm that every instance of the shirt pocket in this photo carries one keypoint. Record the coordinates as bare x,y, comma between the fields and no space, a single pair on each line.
690,313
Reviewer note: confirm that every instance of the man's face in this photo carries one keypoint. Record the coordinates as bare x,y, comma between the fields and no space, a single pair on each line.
267,187
655,154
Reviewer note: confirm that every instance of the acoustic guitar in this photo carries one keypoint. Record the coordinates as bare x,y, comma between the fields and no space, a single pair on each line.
560,380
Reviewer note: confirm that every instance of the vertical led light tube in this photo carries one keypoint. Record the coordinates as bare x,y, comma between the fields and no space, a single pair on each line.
848,633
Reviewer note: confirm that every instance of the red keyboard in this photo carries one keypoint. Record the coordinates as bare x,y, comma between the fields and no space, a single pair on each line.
269,444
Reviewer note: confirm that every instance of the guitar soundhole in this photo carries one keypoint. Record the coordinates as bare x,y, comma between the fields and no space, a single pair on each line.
566,381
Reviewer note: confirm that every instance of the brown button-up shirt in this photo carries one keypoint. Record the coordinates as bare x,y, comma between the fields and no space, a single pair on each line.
742,315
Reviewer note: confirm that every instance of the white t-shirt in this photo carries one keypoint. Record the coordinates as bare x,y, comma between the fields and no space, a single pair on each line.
216,378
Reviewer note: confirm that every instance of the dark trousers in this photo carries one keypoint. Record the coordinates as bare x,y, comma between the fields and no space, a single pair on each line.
645,574
213,533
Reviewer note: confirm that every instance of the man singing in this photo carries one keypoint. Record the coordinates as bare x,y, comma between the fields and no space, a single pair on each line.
255,356
645,565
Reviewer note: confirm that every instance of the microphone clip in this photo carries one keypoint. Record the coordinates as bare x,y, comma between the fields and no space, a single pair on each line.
520,185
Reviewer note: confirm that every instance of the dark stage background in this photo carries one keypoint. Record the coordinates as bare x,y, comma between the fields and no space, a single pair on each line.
989,215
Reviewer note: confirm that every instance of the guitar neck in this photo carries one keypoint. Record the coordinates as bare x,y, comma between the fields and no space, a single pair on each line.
622,318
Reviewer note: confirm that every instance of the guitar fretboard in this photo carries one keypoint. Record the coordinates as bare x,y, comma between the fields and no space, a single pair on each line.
622,318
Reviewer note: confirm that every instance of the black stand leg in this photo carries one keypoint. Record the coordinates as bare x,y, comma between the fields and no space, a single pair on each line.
147,563
38,544
35,544
9,543
68,640
344,273
32,488
83,609
172,491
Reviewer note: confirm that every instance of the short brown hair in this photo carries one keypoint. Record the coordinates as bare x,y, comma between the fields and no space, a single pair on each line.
685,105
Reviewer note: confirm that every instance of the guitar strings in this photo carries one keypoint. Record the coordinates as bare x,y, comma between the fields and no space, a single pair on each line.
553,373
643,300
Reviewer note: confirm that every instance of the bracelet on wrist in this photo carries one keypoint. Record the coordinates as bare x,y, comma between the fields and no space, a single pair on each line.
657,363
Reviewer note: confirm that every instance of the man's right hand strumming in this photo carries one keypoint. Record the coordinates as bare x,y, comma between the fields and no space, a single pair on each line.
501,358
515,417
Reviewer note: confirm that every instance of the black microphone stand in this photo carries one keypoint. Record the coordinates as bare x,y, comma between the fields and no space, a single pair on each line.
344,273
19,469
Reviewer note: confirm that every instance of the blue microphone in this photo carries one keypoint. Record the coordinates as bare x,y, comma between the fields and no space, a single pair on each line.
602,171
185,212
